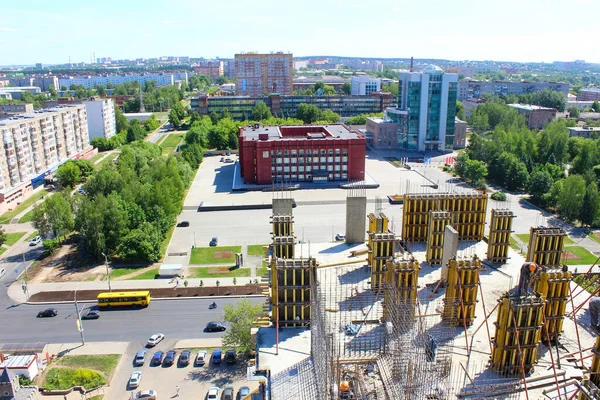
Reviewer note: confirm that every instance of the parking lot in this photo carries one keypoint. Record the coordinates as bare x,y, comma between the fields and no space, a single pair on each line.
193,380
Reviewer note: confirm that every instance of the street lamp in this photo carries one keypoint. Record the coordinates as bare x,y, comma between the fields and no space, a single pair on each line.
194,238
107,274
79,325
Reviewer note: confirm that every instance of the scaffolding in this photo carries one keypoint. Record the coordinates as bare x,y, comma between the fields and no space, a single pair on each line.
291,288
435,236
461,291
499,235
402,275
381,244
283,236
546,246
468,211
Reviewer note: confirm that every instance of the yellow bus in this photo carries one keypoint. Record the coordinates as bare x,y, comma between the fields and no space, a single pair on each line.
124,299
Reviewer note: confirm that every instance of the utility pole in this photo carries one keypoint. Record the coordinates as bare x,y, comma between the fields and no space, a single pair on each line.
107,273
79,325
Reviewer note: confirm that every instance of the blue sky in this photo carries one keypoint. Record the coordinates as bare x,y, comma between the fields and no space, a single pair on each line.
50,31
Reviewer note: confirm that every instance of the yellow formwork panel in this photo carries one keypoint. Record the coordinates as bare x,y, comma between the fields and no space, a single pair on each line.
546,246
400,290
499,235
382,250
291,285
553,285
461,291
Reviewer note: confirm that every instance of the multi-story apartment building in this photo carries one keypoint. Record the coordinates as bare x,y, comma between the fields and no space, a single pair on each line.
42,81
240,107
14,93
101,118
476,89
213,69
34,145
591,94
536,117
11,109
426,110
260,74
304,153
91,81
364,85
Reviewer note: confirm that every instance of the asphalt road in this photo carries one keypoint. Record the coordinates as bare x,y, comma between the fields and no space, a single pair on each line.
14,266
177,319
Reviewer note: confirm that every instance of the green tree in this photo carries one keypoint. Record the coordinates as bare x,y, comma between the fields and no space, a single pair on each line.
53,92
101,90
221,80
475,170
193,154
2,236
596,106
214,117
225,114
54,215
329,116
587,157
120,120
68,175
549,98
570,199
174,118
540,183
591,205
135,131
151,124
241,318
308,113
142,244
261,111
460,111
573,112
391,88
346,88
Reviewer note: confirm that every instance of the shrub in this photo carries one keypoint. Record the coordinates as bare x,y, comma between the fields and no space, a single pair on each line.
499,196
24,381
50,245
186,283
480,184
65,378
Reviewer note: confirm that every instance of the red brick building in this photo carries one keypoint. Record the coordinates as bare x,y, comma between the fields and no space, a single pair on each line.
301,153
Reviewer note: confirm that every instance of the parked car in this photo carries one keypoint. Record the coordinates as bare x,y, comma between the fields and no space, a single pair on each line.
91,315
215,326
213,393
49,312
184,358
147,395
201,358
170,357
134,380
227,393
140,357
157,358
217,356
230,356
243,392
339,237
222,159
183,224
35,241
213,242
228,160
155,339
227,153
2,272
81,191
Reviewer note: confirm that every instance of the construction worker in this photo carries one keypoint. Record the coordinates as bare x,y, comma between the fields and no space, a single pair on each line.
431,346
528,270
594,313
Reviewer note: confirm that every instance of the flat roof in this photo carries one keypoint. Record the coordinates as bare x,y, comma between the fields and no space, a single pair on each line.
295,132
23,361
582,129
529,107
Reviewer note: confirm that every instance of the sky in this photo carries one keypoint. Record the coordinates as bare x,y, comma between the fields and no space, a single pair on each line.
51,31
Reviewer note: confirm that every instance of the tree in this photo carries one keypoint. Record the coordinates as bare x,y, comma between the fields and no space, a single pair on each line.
346,88
142,244
54,215
587,157
391,88
3,236
329,116
549,98
308,113
174,118
591,205
540,183
596,106
221,80
68,175
151,123
475,170
53,92
135,131
570,199
241,318
214,117
120,120
101,90
573,112
460,111
261,111
192,154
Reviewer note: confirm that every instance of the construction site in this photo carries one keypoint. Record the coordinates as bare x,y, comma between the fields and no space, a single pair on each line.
443,310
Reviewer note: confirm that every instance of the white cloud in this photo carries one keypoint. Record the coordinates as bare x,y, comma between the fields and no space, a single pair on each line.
7,29
147,34
168,22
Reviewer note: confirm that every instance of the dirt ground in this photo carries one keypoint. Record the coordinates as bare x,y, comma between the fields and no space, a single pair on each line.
567,255
154,293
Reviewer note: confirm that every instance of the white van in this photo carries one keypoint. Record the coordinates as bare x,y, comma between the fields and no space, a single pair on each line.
2,272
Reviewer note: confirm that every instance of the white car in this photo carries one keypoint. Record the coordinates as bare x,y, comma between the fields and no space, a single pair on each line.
213,393
147,395
134,380
155,339
35,241
201,357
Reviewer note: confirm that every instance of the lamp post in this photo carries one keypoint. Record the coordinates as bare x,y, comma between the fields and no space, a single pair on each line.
79,325
107,274
194,238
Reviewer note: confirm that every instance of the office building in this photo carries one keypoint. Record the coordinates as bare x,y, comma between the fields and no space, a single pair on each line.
476,89
588,132
101,118
536,117
91,81
302,153
426,110
305,82
381,133
8,110
299,64
261,74
364,85
34,145
212,69
460,134
240,107
591,94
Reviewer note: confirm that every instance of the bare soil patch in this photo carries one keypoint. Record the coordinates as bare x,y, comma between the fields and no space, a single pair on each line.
597,236
218,270
567,255
223,254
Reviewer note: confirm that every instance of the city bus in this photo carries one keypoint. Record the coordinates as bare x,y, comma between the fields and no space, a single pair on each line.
124,299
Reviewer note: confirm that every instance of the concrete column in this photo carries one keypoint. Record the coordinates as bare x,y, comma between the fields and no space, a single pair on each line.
282,206
450,249
356,216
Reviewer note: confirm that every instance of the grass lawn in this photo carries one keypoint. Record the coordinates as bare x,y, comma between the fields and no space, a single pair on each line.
34,234
26,218
11,238
514,244
595,236
2,250
525,237
262,270
165,243
577,255
118,272
150,274
170,143
592,282
97,157
97,397
107,160
218,272
89,371
214,255
256,249
9,215
105,363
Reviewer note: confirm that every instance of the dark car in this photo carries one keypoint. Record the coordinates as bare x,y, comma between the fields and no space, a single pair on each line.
215,326
49,312
90,315
183,224
230,356
158,357
213,242
227,393
217,356
244,391
170,357
184,358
